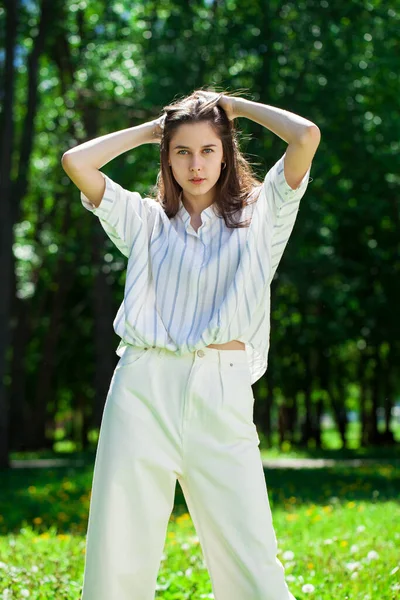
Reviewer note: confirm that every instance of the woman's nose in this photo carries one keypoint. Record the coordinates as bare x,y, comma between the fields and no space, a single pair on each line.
196,162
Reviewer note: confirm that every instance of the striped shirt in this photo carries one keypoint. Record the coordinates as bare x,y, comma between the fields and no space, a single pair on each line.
185,289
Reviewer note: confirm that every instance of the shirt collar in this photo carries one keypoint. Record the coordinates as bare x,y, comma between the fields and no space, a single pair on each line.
208,212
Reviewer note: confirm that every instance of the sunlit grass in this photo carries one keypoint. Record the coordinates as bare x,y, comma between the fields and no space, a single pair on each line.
338,532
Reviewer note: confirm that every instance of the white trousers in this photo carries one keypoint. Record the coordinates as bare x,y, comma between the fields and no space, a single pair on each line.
190,418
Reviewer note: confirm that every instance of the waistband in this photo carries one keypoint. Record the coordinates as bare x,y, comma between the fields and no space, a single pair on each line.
222,357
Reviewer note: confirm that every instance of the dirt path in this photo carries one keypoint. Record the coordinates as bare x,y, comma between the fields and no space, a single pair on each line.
271,463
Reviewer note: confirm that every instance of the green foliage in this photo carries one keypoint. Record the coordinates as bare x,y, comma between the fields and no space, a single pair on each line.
106,67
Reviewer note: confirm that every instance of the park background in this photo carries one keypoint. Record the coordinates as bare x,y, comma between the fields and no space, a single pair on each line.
71,71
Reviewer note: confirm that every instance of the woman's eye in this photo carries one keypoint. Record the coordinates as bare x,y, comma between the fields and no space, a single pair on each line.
210,149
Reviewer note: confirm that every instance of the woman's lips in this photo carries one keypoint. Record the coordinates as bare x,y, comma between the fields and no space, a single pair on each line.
197,181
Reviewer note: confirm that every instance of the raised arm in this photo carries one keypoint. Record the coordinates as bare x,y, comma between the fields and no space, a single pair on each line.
302,135
82,163
125,216
286,182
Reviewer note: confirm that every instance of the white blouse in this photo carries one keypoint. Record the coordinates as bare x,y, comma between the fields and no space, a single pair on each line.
185,289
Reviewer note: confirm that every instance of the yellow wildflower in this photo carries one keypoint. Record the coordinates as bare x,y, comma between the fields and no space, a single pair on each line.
292,517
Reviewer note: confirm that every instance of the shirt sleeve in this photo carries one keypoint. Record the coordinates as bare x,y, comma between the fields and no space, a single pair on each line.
282,206
125,216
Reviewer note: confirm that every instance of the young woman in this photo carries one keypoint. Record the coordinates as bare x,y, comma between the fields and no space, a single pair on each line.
194,328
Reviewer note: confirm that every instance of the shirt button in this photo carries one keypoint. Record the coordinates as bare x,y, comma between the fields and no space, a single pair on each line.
200,352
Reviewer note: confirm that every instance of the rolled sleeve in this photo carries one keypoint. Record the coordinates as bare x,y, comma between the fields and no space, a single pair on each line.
124,215
282,193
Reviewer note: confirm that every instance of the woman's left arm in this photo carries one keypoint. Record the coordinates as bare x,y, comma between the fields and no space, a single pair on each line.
301,135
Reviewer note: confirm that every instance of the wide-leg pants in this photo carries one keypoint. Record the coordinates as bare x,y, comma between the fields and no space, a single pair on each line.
190,418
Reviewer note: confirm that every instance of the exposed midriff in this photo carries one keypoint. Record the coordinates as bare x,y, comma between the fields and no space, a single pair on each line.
234,345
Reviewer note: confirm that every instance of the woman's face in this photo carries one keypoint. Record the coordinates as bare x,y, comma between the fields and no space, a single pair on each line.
196,151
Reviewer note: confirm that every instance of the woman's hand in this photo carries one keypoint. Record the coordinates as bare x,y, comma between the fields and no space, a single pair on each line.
158,129
228,104
225,102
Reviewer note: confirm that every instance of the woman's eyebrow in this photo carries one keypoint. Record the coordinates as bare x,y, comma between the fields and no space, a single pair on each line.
188,147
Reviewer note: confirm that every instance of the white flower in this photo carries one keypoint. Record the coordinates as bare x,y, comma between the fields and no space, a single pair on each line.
185,546
372,555
307,588
25,593
288,555
354,548
354,575
352,565
3,565
34,569
188,572
360,528
328,541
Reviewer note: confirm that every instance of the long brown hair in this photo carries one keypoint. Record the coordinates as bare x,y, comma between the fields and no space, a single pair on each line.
236,182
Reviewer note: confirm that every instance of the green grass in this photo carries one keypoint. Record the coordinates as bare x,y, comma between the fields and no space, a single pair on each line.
338,530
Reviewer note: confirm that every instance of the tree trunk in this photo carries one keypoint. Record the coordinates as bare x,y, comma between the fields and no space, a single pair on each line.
308,426
363,399
388,395
267,413
19,412
373,437
6,215
64,276
104,339
337,398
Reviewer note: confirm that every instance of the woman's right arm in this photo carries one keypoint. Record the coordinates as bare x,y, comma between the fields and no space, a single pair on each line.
83,162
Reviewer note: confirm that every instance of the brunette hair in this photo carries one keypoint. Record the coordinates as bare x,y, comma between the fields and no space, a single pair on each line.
236,183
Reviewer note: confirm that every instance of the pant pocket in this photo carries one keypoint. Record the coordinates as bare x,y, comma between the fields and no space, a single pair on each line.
237,397
130,385
131,355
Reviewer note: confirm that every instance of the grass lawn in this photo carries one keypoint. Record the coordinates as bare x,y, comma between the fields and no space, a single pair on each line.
338,532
